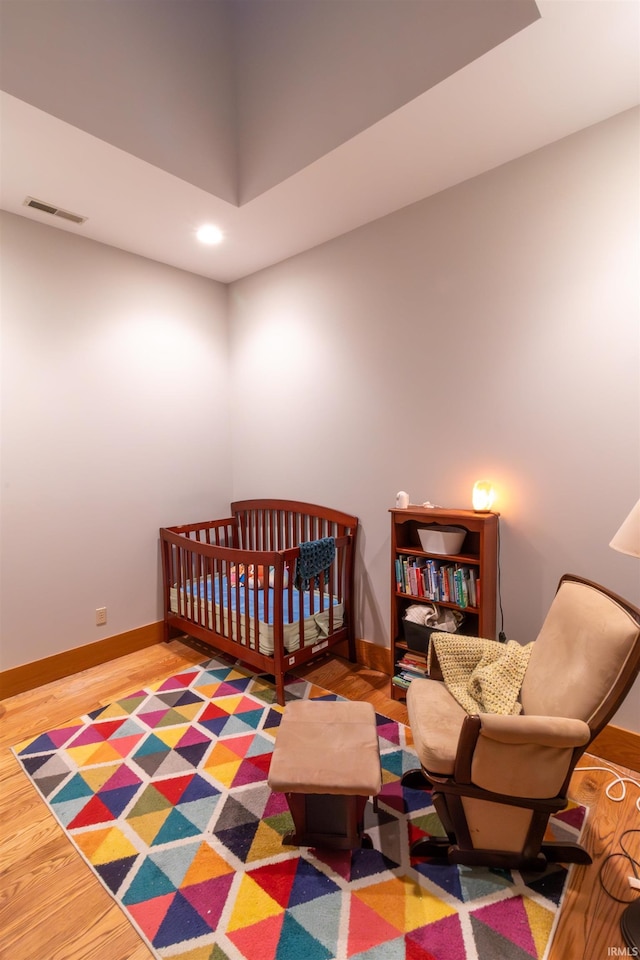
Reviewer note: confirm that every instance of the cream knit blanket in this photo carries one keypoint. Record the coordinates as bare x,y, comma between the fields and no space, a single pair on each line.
483,675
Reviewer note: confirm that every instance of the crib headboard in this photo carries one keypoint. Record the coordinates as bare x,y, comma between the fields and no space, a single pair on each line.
282,524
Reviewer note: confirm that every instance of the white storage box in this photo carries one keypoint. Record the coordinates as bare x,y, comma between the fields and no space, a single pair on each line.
441,539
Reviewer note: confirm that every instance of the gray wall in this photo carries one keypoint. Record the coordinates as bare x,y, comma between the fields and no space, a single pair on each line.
490,331
114,423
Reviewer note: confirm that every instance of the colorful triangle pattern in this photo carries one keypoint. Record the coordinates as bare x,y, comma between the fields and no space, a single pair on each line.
164,793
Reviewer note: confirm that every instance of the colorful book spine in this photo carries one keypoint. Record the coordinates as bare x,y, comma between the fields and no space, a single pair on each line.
399,581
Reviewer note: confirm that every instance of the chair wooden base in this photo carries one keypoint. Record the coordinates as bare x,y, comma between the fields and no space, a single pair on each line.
441,850
558,852
457,845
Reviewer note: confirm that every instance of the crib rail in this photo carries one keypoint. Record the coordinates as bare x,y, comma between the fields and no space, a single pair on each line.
221,533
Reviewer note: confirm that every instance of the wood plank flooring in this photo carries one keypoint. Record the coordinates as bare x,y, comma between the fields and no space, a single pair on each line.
53,908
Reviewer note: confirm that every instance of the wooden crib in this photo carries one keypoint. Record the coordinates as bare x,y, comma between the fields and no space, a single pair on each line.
232,584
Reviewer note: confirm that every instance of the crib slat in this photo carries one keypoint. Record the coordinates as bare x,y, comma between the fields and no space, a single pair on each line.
246,639
267,599
193,592
229,608
216,591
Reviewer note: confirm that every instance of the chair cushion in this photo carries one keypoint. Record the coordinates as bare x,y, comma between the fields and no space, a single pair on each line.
436,720
579,654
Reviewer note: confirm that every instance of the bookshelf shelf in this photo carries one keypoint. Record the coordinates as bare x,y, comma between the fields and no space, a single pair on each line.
441,603
464,581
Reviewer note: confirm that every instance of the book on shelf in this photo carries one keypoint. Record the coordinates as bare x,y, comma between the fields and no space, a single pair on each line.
412,664
404,678
438,580
410,667
472,588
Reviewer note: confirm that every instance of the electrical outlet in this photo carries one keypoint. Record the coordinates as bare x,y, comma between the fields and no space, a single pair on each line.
101,616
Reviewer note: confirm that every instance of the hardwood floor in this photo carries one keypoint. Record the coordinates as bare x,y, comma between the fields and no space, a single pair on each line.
53,908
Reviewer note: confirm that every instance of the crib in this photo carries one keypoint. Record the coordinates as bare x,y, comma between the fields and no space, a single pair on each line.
232,584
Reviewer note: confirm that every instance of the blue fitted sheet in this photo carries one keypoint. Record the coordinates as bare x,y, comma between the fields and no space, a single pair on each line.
249,594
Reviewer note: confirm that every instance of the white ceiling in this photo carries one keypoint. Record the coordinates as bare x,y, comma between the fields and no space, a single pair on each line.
578,64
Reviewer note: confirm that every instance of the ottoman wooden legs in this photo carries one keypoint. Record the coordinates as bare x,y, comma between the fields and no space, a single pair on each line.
327,820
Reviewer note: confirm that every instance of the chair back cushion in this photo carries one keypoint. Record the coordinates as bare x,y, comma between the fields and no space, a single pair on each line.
581,657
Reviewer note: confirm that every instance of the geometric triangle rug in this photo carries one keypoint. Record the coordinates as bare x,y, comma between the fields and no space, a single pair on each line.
164,794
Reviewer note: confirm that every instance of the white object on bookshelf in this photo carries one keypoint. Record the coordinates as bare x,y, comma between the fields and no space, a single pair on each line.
441,539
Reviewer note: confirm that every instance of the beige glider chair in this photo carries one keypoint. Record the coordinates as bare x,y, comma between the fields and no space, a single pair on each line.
496,779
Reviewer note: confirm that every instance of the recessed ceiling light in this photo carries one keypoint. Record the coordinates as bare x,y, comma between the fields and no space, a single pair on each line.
209,234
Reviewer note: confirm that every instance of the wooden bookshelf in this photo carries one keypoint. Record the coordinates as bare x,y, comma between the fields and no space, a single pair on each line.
465,581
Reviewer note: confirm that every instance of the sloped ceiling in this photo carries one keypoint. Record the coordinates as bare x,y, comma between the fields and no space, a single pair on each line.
287,122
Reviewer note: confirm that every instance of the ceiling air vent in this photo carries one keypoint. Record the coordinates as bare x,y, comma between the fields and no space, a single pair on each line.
54,211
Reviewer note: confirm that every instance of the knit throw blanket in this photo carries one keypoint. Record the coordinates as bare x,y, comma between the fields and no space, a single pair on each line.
316,556
483,675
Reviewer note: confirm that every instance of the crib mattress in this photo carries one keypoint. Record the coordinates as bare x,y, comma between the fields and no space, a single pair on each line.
216,616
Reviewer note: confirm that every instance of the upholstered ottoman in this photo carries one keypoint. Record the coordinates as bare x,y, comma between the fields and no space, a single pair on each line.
326,761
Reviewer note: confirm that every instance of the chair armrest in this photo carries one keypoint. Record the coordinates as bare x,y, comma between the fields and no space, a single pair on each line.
544,731
520,756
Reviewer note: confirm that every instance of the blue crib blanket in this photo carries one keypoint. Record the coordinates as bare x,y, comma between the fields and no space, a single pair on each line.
316,556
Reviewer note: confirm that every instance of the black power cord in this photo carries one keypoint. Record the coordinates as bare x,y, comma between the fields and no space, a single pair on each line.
502,637
633,863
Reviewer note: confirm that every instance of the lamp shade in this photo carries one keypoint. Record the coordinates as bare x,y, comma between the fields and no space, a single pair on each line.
627,539
482,496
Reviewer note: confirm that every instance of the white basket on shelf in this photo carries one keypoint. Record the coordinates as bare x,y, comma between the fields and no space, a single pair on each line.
441,539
